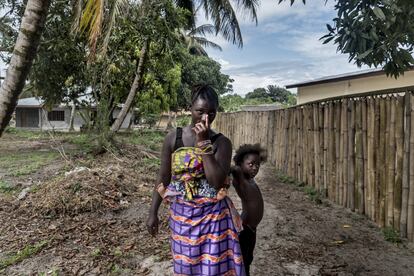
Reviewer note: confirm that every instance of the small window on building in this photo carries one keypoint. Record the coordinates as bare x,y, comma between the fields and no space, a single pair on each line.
56,115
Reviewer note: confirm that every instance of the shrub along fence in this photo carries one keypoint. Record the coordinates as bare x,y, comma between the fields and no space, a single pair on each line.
358,151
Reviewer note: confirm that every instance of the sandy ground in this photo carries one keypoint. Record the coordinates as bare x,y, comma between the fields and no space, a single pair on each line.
299,237
296,236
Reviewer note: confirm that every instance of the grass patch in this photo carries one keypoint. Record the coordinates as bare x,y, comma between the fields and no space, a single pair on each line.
313,194
27,134
152,139
53,272
96,252
281,177
6,188
25,163
391,235
85,141
151,162
23,254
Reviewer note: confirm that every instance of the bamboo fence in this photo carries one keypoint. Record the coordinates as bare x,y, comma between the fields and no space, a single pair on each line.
359,151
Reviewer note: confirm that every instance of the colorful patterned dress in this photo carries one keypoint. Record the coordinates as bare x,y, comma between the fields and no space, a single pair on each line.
204,230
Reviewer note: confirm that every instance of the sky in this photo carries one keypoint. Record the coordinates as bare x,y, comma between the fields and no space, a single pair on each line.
284,47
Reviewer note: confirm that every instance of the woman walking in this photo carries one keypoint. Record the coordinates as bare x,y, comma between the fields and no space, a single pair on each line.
195,162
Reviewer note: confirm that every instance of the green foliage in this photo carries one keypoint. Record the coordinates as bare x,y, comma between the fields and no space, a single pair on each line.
5,187
148,138
313,194
374,32
23,254
59,72
274,93
96,252
391,235
201,70
85,141
183,121
53,272
150,119
27,134
233,102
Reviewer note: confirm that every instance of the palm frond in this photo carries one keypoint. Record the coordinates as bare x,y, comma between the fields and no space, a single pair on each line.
119,8
92,21
225,20
250,7
204,42
203,30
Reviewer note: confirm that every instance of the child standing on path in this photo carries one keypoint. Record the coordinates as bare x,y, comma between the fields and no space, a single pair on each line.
248,159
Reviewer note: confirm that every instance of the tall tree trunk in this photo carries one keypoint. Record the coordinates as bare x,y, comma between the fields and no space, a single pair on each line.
23,55
134,88
72,116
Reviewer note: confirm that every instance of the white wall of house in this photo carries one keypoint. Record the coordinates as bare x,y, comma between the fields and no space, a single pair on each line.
353,86
62,125
56,125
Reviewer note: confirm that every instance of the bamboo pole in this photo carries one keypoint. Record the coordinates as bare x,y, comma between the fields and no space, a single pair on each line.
289,149
332,152
378,159
305,143
351,157
365,154
359,160
344,153
300,143
286,159
399,141
382,162
325,147
371,158
316,146
338,150
311,145
297,133
406,165
386,158
410,217
391,164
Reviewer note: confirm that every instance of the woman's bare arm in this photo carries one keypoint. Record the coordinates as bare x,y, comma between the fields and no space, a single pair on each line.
164,177
217,166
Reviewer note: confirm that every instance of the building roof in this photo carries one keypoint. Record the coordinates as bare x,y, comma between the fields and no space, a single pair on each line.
261,107
340,77
30,102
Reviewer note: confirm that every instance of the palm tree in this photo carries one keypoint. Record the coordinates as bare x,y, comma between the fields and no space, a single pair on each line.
22,58
221,12
195,39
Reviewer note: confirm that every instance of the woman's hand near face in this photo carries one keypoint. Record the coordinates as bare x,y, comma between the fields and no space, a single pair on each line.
202,129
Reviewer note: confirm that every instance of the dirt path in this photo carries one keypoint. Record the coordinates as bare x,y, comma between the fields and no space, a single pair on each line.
107,235
299,237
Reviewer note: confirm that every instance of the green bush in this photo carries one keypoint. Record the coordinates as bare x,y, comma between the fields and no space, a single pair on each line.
183,121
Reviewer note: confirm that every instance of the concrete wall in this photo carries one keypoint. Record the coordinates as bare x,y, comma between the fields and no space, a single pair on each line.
353,86
56,125
40,116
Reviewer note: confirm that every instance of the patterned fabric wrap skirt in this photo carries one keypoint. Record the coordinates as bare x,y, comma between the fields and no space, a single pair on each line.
204,239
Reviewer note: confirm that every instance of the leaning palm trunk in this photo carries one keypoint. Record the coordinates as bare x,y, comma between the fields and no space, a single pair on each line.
23,54
134,88
72,117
